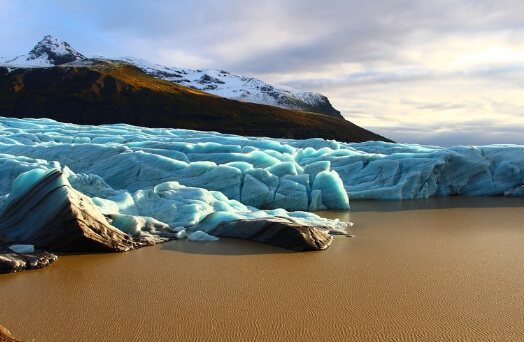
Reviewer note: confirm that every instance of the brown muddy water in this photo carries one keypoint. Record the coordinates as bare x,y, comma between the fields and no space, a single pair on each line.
427,270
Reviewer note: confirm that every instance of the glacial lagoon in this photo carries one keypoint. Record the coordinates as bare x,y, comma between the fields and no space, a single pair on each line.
431,269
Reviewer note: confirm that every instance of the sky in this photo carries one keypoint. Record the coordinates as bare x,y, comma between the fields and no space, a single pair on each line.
441,72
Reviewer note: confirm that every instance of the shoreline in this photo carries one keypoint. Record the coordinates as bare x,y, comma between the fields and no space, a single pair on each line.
437,269
5,335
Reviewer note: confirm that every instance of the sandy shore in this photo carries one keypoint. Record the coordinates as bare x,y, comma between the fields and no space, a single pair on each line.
438,269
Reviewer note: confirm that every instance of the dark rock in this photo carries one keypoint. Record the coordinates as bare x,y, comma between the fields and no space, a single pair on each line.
276,231
5,335
56,51
324,107
15,262
53,216
206,79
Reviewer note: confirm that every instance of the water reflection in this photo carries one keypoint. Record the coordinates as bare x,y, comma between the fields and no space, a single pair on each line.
224,246
437,203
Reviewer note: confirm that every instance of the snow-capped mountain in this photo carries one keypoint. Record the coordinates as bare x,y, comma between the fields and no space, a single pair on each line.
48,52
236,87
51,52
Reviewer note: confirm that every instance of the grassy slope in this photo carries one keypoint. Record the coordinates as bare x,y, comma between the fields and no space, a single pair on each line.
121,93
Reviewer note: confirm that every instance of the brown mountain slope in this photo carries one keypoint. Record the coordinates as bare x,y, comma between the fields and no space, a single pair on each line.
107,93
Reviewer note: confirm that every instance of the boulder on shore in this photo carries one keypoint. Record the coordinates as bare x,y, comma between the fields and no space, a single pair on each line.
276,231
11,261
5,335
45,211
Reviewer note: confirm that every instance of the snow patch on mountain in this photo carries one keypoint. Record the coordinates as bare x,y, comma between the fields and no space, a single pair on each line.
51,52
236,87
48,52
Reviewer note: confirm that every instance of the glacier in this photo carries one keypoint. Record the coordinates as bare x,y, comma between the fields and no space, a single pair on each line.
152,181
157,184
306,175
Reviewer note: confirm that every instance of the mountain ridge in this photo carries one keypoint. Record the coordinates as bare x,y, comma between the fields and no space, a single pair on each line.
118,92
55,81
47,52
51,51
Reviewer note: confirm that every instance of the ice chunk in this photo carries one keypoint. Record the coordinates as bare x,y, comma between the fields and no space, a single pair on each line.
282,169
332,190
291,195
256,193
315,168
135,225
22,249
201,236
181,234
52,215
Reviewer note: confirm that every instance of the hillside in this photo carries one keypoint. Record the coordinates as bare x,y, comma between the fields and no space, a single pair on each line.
103,92
242,88
51,51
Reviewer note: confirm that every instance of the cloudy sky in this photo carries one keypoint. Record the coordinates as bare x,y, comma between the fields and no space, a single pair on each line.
442,72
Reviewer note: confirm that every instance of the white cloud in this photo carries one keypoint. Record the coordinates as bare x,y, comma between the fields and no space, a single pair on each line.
422,70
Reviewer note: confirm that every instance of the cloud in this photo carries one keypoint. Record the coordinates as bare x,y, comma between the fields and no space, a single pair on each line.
385,65
275,36
467,131
481,132
450,107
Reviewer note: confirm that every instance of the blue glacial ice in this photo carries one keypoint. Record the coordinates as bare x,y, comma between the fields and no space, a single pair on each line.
147,179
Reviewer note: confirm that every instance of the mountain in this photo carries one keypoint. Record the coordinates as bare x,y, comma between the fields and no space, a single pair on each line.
52,52
57,82
48,52
116,92
235,87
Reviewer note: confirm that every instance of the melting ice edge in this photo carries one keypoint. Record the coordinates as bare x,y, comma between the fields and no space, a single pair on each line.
147,179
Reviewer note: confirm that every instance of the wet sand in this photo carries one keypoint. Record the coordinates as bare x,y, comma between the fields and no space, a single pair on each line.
438,269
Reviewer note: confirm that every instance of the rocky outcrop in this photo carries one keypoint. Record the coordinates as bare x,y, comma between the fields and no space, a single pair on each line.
48,52
11,262
43,210
5,335
276,231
